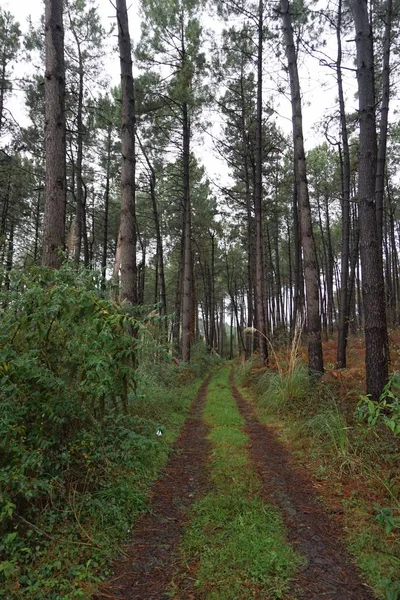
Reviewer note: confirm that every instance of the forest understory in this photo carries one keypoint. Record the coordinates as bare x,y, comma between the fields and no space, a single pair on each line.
146,477
246,509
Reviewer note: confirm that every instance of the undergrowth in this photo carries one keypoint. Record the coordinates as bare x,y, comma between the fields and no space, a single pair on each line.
236,540
354,463
82,402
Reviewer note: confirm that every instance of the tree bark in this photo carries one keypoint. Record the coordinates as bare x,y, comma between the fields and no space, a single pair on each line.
344,265
260,313
106,209
55,145
187,241
160,251
126,249
383,127
79,215
376,346
315,358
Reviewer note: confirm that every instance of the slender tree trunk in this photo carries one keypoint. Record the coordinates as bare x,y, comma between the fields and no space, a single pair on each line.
260,314
344,265
231,337
298,308
395,259
176,330
55,146
37,227
3,85
187,241
79,215
106,209
157,226
381,158
289,305
315,358
4,212
376,356
85,235
10,254
250,241
330,265
126,249
141,270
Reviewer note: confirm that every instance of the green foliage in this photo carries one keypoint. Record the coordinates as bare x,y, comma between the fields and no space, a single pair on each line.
244,372
387,519
386,409
377,560
78,443
284,391
329,427
321,426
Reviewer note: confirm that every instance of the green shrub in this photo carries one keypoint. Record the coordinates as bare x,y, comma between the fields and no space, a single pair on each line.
386,409
81,401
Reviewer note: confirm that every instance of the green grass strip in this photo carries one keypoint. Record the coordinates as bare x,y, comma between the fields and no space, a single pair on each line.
237,540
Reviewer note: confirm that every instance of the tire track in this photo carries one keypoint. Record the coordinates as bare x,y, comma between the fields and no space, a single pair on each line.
329,573
151,558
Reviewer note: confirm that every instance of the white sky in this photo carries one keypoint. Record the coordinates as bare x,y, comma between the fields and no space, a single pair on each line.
318,84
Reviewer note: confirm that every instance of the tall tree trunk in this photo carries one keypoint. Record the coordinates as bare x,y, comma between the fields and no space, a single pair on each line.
160,251
126,249
395,259
376,346
330,269
221,347
298,307
85,235
212,293
10,254
37,227
79,214
250,242
106,209
344,265
381,158
55,146
260,313
3,85
187,240
315,358
141,269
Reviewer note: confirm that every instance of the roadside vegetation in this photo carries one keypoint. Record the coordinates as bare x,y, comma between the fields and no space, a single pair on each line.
235,540
348,443
88,418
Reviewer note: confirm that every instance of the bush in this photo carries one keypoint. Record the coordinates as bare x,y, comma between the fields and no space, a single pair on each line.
78,443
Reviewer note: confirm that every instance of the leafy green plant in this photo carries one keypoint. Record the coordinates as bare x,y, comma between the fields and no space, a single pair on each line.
386,409
81,403
387,519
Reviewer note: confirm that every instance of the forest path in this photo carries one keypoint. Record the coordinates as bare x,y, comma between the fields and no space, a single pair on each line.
153,567
145,571
329,572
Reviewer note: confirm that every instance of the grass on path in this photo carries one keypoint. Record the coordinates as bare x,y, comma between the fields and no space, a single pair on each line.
235,539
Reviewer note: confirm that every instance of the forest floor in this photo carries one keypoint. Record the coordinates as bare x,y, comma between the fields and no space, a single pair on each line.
234,516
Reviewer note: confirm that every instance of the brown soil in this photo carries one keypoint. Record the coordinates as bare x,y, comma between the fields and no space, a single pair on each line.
329,573
150,560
